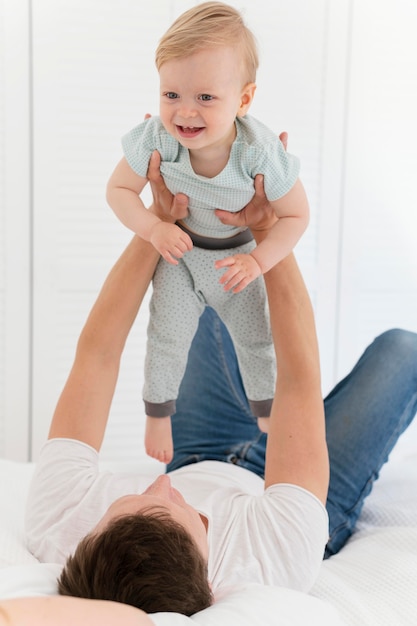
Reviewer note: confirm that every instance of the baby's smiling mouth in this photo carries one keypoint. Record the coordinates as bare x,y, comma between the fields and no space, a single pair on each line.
189,131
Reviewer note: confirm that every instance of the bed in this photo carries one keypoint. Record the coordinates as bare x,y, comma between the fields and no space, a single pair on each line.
371,582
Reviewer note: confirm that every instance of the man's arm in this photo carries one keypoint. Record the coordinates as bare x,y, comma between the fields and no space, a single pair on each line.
66,611
83,408
296,450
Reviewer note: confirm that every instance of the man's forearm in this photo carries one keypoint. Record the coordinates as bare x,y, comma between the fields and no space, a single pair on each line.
296,449
84,405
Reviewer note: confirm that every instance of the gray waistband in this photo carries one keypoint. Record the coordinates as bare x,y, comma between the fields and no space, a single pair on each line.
211,243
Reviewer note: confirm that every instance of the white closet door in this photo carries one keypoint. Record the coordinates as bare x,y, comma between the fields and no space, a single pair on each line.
2,238
379,255
15,222
94,79
340,77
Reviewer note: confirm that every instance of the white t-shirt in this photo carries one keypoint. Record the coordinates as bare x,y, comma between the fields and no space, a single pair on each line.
273,537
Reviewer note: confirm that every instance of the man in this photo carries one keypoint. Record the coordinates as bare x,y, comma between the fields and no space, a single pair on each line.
296,467
69,499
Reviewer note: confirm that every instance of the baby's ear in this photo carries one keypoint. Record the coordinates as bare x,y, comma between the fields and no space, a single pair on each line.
247,95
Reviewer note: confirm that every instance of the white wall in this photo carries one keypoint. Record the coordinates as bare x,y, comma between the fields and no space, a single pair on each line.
338,75
15,231
378,271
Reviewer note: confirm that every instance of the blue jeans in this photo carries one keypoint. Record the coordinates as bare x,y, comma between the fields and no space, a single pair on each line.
365,414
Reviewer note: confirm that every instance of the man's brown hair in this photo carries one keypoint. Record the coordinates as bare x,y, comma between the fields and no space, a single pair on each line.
147,560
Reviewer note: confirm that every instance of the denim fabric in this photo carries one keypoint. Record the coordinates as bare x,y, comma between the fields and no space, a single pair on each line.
365,414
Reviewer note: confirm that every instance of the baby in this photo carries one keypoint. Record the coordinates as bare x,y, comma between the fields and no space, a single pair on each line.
211,150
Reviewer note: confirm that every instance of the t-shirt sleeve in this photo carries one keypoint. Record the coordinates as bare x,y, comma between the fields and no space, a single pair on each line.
65,469
277,538
139,143
298,531
68,495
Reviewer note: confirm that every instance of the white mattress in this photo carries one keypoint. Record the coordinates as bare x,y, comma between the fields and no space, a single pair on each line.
371,582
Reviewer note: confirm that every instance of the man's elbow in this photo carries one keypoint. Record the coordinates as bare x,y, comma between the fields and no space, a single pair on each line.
92,346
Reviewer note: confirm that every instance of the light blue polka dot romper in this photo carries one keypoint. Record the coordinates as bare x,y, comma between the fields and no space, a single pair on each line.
180,292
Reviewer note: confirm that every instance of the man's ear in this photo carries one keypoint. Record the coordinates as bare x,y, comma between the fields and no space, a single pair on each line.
246,97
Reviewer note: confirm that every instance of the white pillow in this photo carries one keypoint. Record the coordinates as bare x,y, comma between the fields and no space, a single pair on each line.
258,605
38,579
249,605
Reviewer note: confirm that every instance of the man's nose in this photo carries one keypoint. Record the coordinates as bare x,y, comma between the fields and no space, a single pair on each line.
161,486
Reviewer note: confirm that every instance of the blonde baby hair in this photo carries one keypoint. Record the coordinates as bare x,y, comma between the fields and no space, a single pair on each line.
210,24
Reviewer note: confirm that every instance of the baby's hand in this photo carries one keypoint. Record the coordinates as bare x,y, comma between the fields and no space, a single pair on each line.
243,269
170,241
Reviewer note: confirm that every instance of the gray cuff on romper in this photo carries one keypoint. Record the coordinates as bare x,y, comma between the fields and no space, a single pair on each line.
160,409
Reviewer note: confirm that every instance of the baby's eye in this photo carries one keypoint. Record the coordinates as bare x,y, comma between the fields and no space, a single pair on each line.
205,97
171,95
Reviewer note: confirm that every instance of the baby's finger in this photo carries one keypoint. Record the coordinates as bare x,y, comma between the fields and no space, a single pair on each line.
179,250
187,241
233,283
226,262
241,285
169,258
229,275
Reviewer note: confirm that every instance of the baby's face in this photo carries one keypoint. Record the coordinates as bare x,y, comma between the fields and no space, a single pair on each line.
200,97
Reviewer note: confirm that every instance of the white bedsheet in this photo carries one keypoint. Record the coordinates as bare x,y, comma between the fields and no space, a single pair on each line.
371,582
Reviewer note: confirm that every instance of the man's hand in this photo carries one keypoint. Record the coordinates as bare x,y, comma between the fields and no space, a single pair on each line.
166,206
257,214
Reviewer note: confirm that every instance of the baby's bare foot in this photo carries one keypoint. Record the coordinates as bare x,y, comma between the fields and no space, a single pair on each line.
158,439
263,424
